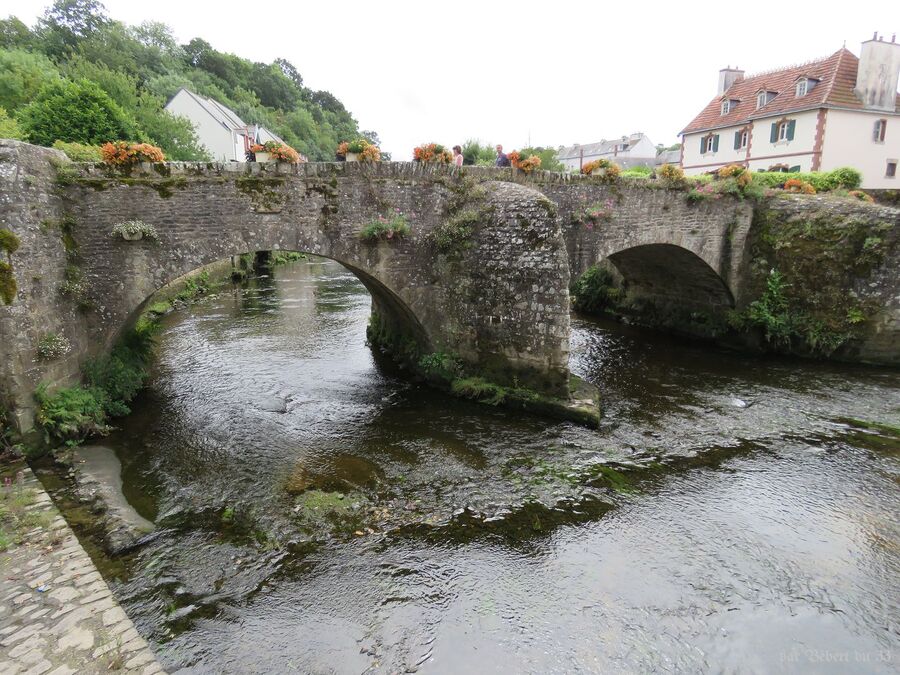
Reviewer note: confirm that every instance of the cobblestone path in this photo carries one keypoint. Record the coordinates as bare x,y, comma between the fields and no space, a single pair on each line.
57,614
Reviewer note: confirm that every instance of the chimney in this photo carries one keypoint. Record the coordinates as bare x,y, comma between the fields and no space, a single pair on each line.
878,73
727,77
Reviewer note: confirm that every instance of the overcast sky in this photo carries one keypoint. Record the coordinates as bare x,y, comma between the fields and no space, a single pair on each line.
551,72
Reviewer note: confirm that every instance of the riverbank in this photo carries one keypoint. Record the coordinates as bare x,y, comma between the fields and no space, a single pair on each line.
57,614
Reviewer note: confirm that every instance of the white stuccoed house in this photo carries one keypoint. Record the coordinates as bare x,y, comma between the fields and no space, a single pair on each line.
818,116
225,136
627,151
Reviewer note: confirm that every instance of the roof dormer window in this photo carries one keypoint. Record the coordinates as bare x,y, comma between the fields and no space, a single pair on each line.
804,86
764,97
728,105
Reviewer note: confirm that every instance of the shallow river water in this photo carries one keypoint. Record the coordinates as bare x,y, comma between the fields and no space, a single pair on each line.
318,513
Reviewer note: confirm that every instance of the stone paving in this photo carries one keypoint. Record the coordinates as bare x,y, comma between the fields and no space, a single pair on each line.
57,614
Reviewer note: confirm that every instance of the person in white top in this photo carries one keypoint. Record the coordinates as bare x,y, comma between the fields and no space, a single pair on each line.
457,155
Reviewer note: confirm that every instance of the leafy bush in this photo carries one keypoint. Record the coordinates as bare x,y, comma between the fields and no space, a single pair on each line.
122,153
79,152
75,111
595,291
474,153
845,177
441,365
385,228
9,128
641,171
770,311
70,414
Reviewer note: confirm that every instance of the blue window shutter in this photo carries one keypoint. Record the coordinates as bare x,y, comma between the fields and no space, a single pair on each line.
790,129
737,140
774,135
716,143
703,145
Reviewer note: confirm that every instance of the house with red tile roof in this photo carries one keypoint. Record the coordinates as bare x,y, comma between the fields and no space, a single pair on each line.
818,116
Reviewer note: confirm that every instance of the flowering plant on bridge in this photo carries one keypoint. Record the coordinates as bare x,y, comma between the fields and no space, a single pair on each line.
134,229
800,186
528,164
513,156
386,228
432,153
122,153
861,196
279,152
595,214
608,171
342,149
370,153
53,346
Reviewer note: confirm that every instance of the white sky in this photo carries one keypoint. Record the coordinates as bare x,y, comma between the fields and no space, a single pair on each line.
556,72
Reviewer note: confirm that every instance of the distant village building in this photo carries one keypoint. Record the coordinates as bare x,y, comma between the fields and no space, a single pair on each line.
224,135
628,151
837,111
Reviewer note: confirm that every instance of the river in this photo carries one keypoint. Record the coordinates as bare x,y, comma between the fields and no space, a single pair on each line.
319,513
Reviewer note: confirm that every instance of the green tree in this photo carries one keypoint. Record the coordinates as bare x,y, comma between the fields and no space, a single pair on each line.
66,22
76,111
22,76
9,128
548,158
475,153
15,35
175,135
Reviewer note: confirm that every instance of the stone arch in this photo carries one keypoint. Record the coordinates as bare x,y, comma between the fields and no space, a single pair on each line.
671,275
391,314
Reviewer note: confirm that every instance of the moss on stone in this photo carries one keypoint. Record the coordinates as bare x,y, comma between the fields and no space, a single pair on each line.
265,193
803,271
9,242
8,287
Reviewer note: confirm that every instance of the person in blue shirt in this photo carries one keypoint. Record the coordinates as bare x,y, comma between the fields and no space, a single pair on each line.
502,159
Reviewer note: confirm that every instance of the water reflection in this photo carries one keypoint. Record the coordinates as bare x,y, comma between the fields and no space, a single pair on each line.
723,519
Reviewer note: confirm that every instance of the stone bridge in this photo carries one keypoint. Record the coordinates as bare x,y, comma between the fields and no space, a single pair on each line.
483,273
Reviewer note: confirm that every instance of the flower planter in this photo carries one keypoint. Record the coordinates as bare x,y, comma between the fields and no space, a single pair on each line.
352,157
263,157
132,236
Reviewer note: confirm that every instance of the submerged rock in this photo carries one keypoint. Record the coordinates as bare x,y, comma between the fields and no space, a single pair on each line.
98,481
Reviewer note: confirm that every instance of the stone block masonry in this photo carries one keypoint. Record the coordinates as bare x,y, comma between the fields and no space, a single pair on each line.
495,292
57,614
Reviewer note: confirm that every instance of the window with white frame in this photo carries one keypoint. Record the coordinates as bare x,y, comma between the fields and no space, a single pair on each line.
802,87
725,106
879,130
783,131
761,99
745,137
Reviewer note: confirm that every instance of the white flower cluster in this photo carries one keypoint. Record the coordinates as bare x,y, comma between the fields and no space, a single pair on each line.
132,227
53,346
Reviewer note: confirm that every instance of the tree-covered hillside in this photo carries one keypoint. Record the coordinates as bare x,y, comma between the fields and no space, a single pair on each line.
80,76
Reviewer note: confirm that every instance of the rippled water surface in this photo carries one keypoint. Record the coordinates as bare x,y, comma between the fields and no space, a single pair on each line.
726,518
